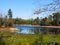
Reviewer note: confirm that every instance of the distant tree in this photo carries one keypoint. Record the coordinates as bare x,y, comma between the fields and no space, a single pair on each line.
5,21
16,21
10,23
1,21
37,21
43,21
10,13
56,19
49,20
32,22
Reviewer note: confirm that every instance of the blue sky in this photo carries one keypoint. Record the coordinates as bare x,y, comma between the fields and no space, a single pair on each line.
23,8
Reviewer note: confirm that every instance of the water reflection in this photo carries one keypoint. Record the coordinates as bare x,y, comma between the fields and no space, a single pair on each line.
35,30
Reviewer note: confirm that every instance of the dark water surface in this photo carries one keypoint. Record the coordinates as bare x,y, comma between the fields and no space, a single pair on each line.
33,29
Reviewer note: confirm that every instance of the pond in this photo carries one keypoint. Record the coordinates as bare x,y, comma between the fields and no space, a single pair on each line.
33,29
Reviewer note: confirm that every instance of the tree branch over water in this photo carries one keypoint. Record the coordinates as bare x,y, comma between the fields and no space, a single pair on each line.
53,6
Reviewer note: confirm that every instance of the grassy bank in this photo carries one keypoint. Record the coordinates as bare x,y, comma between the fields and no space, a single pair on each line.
24,39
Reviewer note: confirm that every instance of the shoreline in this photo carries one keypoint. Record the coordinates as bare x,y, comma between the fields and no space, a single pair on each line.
50,26
9,29
41,26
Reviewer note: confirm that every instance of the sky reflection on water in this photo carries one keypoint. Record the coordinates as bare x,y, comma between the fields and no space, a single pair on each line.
32,29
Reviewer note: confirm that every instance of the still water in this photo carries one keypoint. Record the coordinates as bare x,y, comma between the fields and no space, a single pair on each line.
32,29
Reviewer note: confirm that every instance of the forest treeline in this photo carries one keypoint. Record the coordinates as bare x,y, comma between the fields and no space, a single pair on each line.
51,20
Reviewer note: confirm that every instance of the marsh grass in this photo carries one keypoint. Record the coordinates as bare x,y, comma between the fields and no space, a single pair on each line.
25,39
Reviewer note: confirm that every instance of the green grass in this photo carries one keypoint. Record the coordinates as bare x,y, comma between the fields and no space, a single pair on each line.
26,39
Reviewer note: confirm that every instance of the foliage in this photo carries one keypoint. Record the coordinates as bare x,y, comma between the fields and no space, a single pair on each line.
10,13
23,39
47,21
51,20
56,19
5,21
1,23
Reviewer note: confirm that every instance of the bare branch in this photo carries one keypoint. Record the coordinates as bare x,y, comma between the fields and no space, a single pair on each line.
54,6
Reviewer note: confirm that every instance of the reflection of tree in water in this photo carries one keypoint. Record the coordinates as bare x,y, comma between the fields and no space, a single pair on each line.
35,30
38,30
